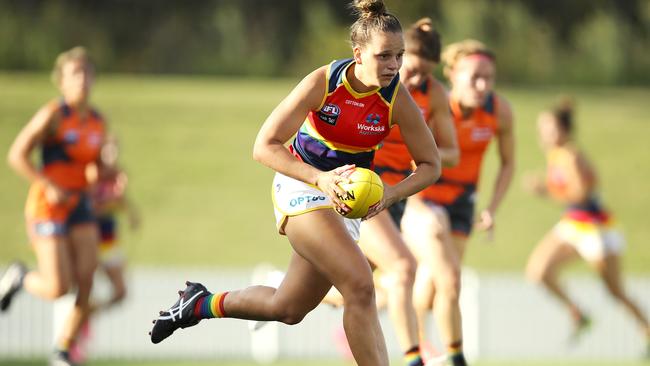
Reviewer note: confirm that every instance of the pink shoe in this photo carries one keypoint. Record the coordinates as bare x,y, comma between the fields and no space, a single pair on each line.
79,350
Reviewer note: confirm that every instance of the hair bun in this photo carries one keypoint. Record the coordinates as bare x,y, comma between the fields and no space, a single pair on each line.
425,24
368,8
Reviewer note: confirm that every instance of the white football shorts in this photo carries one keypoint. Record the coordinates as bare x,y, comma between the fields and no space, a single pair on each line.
592,241
292,197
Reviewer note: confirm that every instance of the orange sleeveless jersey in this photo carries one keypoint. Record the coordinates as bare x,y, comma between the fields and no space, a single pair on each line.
393,160
474,134
75,143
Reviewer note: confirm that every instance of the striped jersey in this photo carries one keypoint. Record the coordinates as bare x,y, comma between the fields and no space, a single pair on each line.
348,126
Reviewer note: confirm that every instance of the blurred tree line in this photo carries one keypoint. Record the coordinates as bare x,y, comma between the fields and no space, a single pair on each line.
540,41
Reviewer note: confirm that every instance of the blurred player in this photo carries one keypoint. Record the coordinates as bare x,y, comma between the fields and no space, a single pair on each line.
339,114
586,228
381,240
438,220
69,134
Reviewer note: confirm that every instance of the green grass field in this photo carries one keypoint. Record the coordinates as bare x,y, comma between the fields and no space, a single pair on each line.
187,145
317,363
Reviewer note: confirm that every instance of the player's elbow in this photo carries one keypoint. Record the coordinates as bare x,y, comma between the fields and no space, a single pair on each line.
433,170
14,159
451,159
437,169
259,151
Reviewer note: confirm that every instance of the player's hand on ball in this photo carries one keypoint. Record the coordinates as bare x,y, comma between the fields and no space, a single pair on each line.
363,190
387,200
328,182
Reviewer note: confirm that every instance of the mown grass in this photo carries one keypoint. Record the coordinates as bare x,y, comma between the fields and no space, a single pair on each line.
187,145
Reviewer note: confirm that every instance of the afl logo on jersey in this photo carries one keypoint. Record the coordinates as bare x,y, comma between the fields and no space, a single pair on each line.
329,113
71,136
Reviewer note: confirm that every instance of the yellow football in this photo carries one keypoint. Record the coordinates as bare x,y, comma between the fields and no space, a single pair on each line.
364,191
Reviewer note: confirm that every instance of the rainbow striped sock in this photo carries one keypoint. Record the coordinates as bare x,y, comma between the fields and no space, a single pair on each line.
413,357
456,356
210,306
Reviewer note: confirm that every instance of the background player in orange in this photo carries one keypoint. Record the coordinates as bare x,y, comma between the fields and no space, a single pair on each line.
439,219
381,240
586,228
69,133
338,114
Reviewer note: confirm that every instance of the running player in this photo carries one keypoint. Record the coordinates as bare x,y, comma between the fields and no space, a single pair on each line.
339,115
63,232
438,221
586,229
381,240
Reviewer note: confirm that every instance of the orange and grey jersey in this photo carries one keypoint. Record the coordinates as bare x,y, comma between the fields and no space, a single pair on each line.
75,143
348,126
474,132
393,160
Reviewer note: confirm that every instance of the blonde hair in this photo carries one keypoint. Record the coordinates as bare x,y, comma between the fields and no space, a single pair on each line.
372,16
423,39
78,53
458,50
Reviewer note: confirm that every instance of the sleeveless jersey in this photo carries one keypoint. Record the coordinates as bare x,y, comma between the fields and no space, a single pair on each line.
393,156
75,143
474,134
591,210
348,126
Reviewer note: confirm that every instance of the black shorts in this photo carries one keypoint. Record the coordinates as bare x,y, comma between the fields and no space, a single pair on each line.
461,212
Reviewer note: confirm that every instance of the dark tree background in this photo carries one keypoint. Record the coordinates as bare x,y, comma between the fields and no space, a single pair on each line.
576,41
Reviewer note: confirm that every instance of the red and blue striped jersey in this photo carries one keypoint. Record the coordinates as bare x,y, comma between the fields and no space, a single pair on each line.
348,126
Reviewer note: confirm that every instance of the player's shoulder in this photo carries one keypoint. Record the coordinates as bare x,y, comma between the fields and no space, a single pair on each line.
53,106
48,115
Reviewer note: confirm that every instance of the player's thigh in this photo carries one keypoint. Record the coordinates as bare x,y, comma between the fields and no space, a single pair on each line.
609,270
381,241
422,225
550,253
321,238
54,259
84,238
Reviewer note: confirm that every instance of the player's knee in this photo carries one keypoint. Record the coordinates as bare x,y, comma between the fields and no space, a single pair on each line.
119,295
403,270
536,274
290,315
448,284
615,291
359,292
57,288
